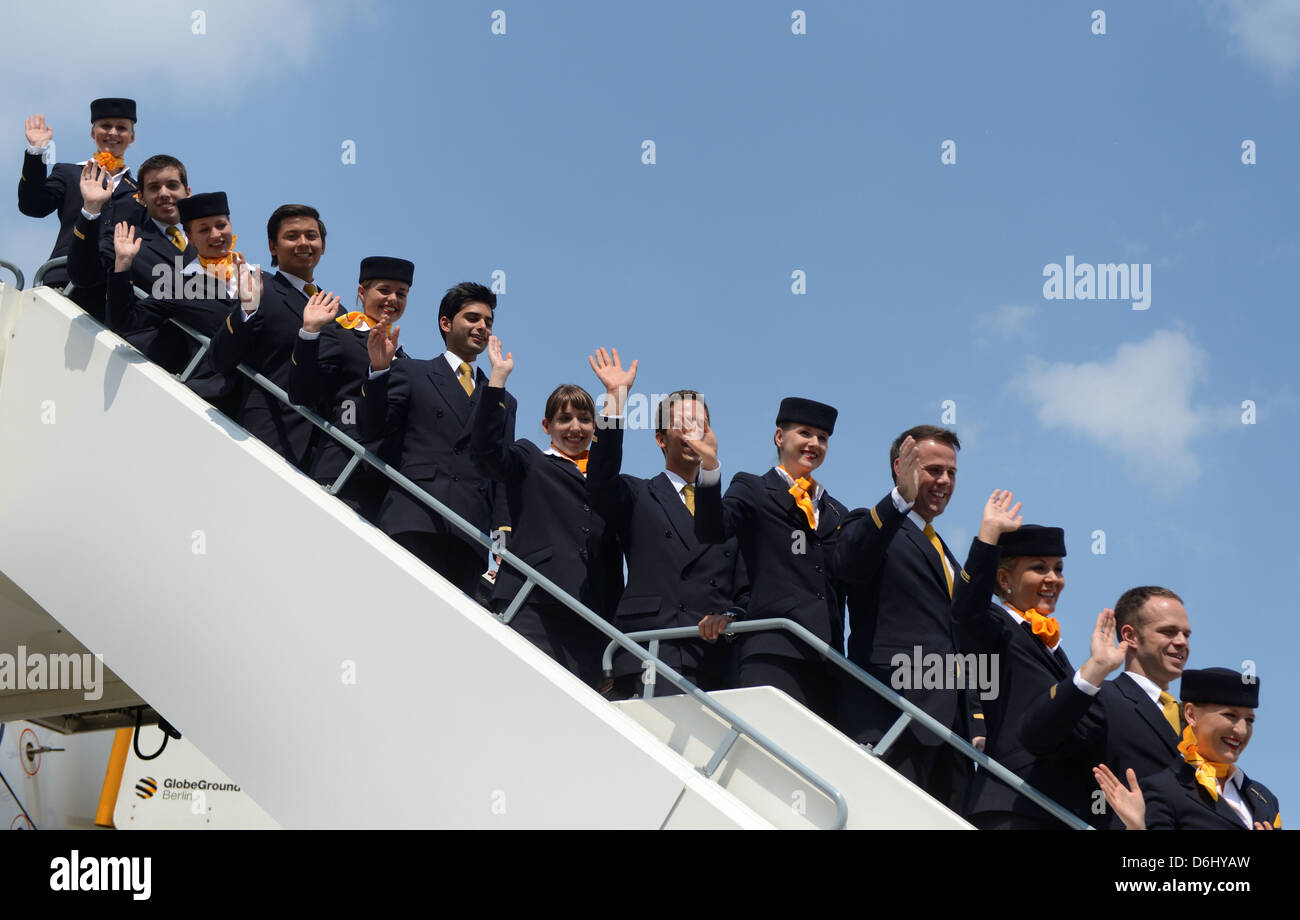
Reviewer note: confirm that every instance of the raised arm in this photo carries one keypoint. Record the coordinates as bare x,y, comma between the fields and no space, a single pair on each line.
39,194
490,449
1066,721
304,364
973,591
607,490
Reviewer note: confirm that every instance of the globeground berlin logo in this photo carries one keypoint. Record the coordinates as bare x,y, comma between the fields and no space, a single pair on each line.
180,789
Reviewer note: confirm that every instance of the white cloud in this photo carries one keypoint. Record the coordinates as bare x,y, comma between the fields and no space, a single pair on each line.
1265,31
1138,404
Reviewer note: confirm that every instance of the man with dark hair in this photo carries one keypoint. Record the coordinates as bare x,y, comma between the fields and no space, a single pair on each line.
163,183
112,127
672,578
1130,722
425,410
899,576
264,338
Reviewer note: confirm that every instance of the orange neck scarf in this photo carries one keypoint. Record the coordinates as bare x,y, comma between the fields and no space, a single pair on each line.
803,490
223,267
353,320
109,161
580,463
1208,773
1046,628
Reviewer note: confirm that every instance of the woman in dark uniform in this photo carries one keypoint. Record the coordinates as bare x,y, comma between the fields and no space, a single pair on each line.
1023,566
1207,790
556,530
330,364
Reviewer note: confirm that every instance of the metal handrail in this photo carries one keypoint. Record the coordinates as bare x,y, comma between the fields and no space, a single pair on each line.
17,272
910,711
533,578
39,278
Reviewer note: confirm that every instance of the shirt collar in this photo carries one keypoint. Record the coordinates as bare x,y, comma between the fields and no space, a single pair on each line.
678,482
454,361
1148,686
297,282
817,492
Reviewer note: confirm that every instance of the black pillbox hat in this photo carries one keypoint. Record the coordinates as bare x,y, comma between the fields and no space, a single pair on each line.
807,412
1220,685
112,108
1033,540
388,268
208,204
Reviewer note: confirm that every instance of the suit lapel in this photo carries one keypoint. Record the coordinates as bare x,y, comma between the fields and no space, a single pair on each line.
1050,658
1149,712
779,490
926,549
292,298
449,388
674,509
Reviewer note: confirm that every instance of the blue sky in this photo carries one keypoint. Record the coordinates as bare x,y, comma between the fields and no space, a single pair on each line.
820,152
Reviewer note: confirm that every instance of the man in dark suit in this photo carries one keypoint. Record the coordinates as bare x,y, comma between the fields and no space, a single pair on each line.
1130,722
264,338
112,127
425,409
1205,789
899,578
159,260
786,524
1017,634
673,579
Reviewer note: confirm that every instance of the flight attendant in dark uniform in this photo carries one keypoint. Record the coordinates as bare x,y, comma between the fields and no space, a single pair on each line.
41,193
787,525
201,295
1205,790
556,529
1022,564
330,364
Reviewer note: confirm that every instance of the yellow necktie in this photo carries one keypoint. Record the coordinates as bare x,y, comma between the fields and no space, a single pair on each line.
688,492
466,379
178,240
310,289
938,548
1169,706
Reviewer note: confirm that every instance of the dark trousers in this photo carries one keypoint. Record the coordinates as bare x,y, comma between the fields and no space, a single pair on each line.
810,683
1010,821
454,559
632,686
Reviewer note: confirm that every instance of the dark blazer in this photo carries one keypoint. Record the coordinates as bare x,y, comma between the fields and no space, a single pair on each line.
91,254
424,419
327,374
556,530
1119,727
144,323
265,343
1026,668
761,515
1177,802
673,579
897,600
40,195
89,266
